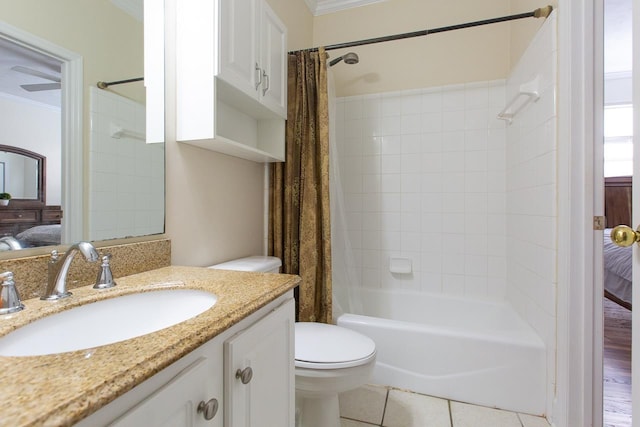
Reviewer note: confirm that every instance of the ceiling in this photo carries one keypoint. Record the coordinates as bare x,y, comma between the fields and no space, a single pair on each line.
12,55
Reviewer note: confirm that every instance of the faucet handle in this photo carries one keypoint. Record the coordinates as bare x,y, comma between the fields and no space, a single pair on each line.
105,276
9,297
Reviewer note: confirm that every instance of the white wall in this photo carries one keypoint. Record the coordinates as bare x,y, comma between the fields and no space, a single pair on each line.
34,127
126,182
617,88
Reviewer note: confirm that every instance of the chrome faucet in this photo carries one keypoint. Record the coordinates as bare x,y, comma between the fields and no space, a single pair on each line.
105,276
9,297
11,242
59,267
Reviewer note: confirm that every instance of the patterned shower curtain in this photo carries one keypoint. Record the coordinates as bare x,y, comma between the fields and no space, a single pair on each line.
299,220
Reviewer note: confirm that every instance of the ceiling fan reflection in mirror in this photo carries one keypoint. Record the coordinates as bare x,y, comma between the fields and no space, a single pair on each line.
36,87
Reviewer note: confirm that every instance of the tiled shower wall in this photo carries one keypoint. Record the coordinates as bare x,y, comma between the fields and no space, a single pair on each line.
532,194
126,196
433,177
424,180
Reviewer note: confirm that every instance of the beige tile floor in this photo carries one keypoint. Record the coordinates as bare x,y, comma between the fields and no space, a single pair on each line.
372,405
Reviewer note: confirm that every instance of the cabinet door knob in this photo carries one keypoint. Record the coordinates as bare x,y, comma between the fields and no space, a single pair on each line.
208,409
244,375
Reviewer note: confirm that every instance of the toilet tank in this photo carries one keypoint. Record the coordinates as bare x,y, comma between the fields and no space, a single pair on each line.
261,264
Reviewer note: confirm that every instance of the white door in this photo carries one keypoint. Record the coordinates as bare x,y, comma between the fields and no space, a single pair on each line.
635,357
612,56
635,334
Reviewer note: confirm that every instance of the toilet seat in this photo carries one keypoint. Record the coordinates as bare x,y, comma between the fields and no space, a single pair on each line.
322,346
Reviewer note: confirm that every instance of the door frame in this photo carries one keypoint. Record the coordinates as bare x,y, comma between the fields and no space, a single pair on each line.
577,399
72,116
598,210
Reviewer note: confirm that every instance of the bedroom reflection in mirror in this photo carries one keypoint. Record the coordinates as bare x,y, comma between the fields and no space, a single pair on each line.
28,220
20,173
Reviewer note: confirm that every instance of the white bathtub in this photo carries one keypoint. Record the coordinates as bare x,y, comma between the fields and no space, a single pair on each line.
465,350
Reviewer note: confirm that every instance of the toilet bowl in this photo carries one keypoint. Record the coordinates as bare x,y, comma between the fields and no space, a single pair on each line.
329,359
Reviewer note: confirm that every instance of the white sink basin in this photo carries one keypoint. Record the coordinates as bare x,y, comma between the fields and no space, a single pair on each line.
106,322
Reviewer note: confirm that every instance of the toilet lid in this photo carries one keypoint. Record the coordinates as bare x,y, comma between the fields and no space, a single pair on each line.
322,346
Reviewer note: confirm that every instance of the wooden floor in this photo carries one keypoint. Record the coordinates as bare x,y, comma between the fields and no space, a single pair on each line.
617,365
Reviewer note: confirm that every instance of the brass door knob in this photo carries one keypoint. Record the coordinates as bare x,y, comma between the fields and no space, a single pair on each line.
625,236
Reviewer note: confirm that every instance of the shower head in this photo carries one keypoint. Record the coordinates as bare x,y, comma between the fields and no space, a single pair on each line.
348,58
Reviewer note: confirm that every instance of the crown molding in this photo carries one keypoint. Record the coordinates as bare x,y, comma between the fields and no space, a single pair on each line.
323,7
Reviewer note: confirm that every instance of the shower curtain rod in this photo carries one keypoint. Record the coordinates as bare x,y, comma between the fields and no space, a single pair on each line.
104,85
542,12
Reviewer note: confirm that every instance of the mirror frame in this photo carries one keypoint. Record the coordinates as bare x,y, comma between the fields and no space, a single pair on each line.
41,200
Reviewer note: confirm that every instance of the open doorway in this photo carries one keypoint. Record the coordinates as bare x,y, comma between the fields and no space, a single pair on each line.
40,61
618,173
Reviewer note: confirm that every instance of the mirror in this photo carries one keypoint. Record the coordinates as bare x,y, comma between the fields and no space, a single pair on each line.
95,169
22,175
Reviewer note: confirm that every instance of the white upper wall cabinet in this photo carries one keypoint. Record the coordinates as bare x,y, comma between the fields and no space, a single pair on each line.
239,42
231,73
253,43
273,55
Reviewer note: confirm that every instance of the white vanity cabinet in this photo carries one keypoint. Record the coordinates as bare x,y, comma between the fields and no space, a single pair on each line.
183,401
259,375
203,384
231,77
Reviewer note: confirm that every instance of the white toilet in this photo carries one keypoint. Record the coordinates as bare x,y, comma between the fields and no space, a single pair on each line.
329,359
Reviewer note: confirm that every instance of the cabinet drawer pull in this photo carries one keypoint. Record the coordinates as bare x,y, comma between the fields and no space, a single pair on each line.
259,79
265,88
208,409
244,375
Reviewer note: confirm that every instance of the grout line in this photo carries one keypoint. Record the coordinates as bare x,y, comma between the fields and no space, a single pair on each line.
359,421
384,408
450,414
520,419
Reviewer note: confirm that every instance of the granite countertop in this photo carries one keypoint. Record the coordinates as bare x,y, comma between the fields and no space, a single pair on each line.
62,389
